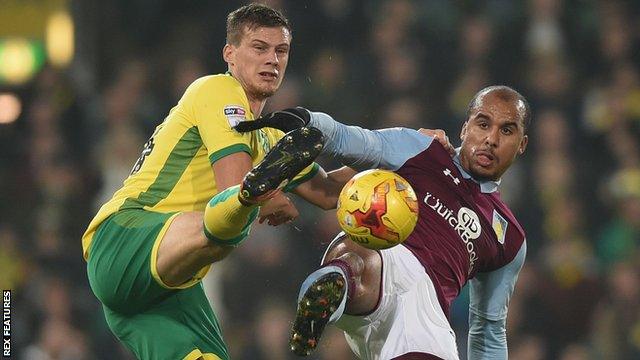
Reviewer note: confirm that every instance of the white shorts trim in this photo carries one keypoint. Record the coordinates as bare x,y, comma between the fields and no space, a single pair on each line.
408,318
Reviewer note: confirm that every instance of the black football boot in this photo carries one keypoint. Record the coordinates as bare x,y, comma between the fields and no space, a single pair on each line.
315,309
291,154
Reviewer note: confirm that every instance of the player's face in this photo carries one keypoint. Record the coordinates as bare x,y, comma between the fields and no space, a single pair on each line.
492,137
260,60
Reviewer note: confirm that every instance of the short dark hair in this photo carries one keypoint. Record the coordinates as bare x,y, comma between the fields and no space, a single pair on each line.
252,16
505,93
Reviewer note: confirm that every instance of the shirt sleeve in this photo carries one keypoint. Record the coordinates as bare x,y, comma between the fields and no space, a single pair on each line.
216,105
364,149
489,300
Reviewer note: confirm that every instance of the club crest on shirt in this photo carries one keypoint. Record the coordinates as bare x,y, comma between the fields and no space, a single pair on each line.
499,225
234,114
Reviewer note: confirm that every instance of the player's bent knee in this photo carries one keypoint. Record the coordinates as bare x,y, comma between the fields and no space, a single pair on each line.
365,267
343,245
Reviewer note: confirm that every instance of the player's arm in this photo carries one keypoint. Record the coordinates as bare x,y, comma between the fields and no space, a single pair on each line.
354,146
363,149
323,189
231,169
489,300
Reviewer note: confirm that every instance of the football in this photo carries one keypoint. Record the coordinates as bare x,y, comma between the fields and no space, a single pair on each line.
377,209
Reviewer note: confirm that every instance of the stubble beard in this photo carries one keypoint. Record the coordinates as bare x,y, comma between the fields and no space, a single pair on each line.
262,94
474,169
481,175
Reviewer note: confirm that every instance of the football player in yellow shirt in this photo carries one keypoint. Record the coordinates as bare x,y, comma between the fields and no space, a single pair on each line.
182,208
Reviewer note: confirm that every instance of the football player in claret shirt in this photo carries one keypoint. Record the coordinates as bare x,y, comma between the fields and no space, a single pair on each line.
394,303
182,208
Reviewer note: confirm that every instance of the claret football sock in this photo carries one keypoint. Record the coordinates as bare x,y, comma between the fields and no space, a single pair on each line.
347,273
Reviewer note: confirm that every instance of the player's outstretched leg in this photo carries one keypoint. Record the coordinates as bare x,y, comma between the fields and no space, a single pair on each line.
294,152
348,282
229,214
322,299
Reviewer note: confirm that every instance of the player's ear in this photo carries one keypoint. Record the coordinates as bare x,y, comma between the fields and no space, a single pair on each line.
463,131
523,145
228,52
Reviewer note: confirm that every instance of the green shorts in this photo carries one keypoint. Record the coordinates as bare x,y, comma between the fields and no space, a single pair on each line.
152,319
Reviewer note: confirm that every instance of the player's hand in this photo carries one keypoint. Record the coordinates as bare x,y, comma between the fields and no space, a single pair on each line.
278,210
442,138
284,120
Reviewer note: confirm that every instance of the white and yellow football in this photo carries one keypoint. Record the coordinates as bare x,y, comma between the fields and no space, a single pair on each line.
377,209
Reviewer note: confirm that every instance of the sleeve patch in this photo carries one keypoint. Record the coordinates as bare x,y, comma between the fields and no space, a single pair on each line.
234,114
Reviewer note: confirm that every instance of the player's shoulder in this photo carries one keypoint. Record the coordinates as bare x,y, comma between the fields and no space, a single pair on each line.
218,90
217,81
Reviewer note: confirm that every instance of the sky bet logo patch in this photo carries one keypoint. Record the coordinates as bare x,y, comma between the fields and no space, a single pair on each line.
499,225
234,114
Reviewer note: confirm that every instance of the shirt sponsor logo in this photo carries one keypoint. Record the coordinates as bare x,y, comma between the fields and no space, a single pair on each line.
465,222
234,114
499,225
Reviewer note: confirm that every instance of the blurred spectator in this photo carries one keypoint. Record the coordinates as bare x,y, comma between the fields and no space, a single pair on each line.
615,330
616,36
326,83
288,95
544,36
612,104
185,72
528,347
405,111
270,336
58,341
620,238
122,137
476,40
472,78
13,264
575,352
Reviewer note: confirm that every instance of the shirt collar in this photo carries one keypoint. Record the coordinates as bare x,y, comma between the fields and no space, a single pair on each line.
486,186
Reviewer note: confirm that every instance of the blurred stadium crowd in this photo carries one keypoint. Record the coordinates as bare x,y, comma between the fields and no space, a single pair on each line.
372,63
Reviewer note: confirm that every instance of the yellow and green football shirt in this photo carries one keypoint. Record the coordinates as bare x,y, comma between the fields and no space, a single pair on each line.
174,170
